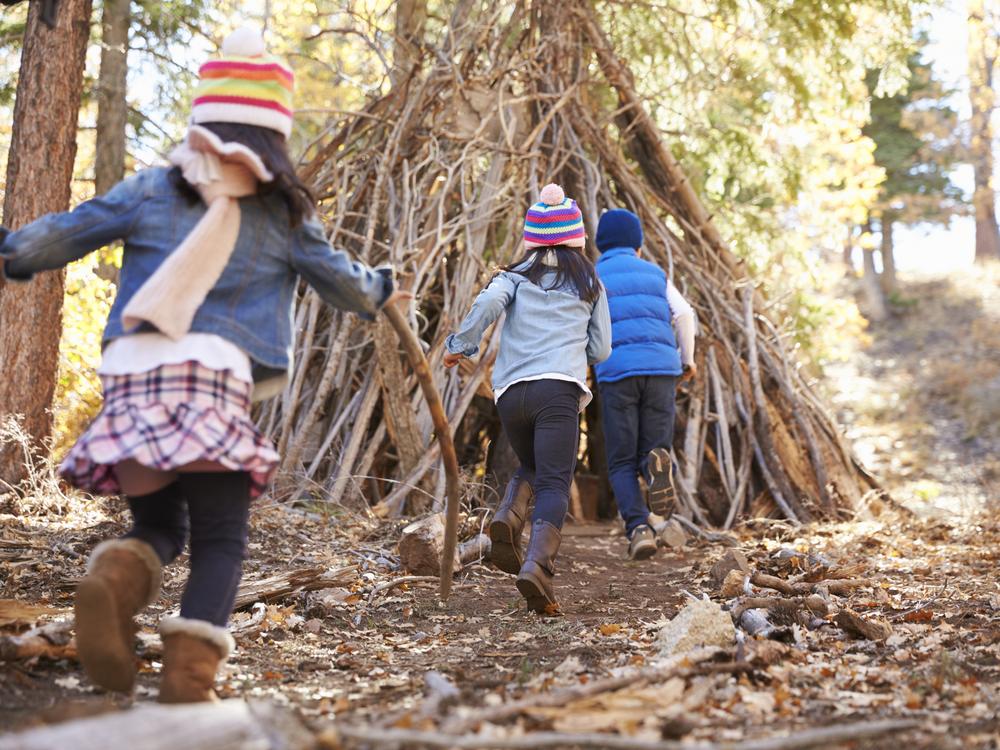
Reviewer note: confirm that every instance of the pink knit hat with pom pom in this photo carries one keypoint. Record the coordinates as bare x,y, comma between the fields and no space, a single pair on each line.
555,220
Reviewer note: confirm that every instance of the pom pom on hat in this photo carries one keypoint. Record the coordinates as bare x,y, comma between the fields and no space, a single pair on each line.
246,41
552,195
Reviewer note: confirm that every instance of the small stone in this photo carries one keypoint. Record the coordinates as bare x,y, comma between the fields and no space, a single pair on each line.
733,585
672,534
732,560
700,623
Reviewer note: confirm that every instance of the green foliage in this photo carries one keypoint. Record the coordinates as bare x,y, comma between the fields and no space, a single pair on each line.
914,130
764,103
78,392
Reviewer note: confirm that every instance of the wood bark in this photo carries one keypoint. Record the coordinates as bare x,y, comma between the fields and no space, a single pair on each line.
874,297
887,279
39,176
411,15
982,52
112,108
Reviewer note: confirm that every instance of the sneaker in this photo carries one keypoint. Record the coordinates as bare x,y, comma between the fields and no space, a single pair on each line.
642,543
660,480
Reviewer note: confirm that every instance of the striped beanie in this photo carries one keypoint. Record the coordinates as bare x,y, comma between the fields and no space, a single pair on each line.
555,220
246,85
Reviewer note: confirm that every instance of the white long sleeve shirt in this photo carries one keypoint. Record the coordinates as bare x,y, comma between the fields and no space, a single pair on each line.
685,323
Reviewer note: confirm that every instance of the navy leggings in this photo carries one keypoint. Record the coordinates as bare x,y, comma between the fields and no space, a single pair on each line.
214,507
542,422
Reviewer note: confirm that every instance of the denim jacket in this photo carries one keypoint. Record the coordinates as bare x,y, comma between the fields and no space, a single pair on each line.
547,331
250,305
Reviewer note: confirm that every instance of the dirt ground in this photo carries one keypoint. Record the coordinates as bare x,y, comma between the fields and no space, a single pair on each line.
359,651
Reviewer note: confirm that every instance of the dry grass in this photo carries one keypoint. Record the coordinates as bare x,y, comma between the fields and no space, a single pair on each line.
41,492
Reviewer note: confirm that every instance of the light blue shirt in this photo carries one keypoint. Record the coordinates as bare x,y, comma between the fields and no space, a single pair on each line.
547,332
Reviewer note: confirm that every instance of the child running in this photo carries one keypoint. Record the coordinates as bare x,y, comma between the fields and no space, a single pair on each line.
557,325
637,382
214,248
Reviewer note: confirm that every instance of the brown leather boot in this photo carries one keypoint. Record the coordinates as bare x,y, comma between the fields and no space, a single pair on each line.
192,653
535,579
123,576
508,521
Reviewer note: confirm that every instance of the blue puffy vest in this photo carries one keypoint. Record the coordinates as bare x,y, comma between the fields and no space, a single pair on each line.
642,337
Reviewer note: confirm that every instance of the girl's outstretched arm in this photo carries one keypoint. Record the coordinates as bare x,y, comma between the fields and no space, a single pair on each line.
340,281
492,301
57,239
599,331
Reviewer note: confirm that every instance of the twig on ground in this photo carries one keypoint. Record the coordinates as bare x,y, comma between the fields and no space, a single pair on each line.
807,738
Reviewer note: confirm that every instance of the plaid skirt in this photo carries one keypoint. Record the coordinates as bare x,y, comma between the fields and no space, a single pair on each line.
166,418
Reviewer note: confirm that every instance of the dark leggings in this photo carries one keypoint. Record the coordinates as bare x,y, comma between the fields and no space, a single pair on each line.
542,422
214,507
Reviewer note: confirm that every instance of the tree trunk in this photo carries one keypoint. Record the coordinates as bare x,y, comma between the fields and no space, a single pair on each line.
848,252
411,15
982,57
888,278
109,166
39,175
874,298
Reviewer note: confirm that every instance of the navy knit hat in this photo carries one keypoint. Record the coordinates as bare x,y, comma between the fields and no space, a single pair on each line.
619,228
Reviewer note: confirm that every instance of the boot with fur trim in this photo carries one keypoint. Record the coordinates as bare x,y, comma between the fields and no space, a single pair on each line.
192,653
508,522
123,576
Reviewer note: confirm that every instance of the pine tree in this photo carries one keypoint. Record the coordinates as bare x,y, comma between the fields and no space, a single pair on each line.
915,144
39,173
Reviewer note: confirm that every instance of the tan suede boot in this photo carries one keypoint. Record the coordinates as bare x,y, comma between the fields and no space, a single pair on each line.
535,578
123,576
192,653
507,524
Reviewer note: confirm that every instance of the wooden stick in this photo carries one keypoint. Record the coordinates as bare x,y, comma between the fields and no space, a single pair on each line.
443,431
807,738
672,667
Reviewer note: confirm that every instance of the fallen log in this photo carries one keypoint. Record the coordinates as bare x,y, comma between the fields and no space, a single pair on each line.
422,545
292,582
230,725
671,667
53,641
800,740
838,586
856,625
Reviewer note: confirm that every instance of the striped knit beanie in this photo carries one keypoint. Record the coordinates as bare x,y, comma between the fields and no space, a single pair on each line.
555,220
246,85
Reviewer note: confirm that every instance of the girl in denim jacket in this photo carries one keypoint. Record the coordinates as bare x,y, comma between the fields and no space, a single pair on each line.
214,248
557,324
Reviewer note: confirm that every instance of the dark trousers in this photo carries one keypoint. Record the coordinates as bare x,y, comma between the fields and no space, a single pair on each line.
638,416
214,508
542,422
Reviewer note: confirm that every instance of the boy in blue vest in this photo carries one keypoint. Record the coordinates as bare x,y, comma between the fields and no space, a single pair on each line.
638,381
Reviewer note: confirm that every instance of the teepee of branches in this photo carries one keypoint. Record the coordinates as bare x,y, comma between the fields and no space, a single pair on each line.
434,178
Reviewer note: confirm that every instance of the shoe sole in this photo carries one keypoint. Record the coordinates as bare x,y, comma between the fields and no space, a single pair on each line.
103,651
644,551
534,595
503,551
662,495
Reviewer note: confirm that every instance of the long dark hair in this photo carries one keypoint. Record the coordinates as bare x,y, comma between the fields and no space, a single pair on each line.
271,147
574,270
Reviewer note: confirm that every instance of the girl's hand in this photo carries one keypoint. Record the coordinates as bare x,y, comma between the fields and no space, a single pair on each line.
450,360
690,372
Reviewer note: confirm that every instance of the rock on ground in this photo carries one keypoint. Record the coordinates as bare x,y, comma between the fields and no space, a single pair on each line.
700,623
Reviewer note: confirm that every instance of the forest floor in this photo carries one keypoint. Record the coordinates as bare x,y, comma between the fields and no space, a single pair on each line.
919,399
